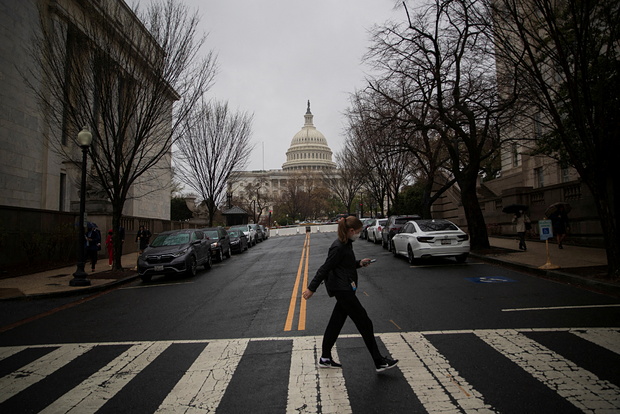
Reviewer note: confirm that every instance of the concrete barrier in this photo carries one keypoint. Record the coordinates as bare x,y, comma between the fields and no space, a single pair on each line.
319,228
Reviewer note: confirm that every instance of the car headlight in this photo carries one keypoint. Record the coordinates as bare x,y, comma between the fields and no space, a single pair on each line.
180,253
214,245
234,242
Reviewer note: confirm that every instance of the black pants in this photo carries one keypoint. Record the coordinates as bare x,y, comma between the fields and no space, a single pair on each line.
522,240
92,257
347,304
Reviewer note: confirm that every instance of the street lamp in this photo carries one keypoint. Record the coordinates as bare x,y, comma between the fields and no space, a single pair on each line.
80,278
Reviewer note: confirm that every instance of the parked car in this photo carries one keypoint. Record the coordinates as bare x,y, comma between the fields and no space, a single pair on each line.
238,240
173,252
265,232
220,242
260,236
393,226
366,222
249,231
374,231
421,239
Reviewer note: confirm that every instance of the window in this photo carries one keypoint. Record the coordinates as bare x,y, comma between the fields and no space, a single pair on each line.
515,155
539,180
62,192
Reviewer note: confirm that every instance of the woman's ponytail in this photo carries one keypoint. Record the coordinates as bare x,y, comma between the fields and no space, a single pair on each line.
346,223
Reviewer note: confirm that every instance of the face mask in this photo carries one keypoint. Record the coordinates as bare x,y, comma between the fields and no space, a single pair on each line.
354,237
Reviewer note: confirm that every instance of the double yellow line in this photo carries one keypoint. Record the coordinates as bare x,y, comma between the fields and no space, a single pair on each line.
301,324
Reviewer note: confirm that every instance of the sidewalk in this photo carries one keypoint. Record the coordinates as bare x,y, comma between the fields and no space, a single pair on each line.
55,282
578,265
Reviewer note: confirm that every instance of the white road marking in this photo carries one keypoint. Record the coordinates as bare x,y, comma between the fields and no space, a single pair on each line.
96,390
34,372
613,305
607,338
578,386
202,387
10,350
311,387
438,386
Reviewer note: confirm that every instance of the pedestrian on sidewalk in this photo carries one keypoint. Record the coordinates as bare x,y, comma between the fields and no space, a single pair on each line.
144,237
340,275
93,244
559,222
522,222
109,244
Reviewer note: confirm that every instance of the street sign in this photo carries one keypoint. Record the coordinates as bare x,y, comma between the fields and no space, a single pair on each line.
545,229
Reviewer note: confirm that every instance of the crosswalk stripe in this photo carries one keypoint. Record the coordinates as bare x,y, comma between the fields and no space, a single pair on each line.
304,376
96,390
202,387
10,350
34,372
606,338
578,386
438,386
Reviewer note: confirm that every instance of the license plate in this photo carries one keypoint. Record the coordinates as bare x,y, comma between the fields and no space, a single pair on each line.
446,242
159,268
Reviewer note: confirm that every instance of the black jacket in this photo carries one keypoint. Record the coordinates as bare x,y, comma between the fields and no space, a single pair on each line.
339,269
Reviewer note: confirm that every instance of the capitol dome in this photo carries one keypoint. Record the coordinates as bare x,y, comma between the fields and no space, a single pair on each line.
309,149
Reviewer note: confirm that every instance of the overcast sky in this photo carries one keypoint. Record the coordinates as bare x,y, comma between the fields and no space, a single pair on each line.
275,55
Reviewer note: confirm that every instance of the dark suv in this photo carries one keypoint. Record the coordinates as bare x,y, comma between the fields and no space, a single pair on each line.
220,242
393,226
179,251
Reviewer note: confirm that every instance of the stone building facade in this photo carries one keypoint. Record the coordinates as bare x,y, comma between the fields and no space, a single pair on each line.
32,175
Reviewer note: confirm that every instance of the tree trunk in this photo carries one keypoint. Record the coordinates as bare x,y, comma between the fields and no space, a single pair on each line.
603,193
477,227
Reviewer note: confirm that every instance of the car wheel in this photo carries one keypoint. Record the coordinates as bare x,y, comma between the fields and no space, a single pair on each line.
410,256
209,262
228,253
393,249
383,243
192,266
246,247
146,278
461,258
389,245
374,238
220,255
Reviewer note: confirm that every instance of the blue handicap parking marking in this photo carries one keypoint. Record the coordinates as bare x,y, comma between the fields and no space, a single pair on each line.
490,279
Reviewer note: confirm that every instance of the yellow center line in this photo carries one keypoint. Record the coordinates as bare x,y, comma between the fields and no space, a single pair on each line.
291,308
301,326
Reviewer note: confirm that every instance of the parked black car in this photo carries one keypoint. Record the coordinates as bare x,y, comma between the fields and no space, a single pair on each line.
249,232
173,252
238,240
367,222
220,242
393,226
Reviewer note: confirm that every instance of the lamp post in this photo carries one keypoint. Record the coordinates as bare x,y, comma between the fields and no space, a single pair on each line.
80,278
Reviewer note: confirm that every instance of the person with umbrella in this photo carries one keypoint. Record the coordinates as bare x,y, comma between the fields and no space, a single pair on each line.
523,223
559,221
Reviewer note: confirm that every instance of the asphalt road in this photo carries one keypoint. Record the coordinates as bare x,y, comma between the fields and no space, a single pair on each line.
470,337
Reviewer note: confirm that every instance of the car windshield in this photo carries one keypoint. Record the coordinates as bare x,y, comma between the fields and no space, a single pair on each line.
233,233
435,225
212,234
401,220
173,239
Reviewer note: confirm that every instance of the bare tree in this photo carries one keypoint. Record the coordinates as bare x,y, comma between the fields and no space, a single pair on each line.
132,83
444,50
216,143
346,181
567,58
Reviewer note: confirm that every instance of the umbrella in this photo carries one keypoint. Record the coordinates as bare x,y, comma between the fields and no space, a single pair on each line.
554,207
514,208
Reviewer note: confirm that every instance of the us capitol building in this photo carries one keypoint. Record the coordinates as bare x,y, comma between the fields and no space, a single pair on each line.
307,158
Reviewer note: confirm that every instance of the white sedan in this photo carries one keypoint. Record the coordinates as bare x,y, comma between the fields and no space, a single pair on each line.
419,239
374,231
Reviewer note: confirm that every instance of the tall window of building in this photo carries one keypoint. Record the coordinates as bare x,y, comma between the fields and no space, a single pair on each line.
62,192
564,174
515,155
538,130
539,177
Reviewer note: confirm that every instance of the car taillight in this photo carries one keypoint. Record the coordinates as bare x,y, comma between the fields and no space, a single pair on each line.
379,228
463,237
425,239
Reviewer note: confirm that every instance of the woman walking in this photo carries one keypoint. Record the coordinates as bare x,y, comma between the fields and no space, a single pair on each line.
340,276
522,221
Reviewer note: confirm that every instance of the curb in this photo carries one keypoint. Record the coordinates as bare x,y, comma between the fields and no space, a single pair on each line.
67,293
557,275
